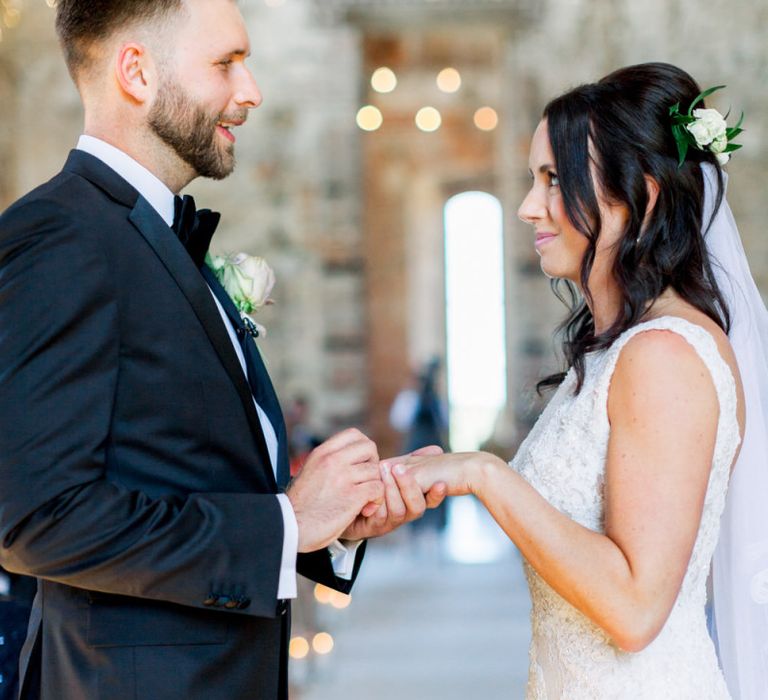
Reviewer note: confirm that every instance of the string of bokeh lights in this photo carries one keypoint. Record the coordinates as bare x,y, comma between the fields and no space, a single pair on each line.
428,118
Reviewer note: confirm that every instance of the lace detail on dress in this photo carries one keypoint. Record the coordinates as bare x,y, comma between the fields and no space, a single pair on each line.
563,457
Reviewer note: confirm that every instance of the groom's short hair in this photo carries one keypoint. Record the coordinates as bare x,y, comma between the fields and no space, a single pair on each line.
82,23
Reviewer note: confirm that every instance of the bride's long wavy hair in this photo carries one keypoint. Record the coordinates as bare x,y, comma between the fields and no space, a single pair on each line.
620,128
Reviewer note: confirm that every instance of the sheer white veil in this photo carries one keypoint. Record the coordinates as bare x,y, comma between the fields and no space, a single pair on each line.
740,565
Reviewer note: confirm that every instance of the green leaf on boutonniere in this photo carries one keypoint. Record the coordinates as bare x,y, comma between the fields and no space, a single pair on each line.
703,96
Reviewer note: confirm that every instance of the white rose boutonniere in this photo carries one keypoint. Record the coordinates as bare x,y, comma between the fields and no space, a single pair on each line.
248,280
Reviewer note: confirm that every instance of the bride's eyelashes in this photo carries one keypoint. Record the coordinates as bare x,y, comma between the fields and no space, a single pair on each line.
553,179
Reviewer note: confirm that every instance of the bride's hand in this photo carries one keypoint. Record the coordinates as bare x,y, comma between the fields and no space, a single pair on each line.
462,472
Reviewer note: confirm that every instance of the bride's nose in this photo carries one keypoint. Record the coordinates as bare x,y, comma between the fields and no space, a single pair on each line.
532,208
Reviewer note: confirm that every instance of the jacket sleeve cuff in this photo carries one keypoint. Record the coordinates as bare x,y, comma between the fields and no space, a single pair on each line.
343,556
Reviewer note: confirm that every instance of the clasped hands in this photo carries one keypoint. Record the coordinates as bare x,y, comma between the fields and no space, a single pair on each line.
344,491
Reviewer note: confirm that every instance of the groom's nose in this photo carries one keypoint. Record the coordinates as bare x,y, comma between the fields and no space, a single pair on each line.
247,94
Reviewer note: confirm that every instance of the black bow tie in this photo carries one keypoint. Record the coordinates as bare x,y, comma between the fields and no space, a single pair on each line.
194,228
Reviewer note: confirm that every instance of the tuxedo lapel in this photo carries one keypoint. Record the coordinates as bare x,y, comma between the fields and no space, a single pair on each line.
261,384
180,266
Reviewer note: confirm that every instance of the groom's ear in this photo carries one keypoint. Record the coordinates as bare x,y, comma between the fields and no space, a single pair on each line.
135,72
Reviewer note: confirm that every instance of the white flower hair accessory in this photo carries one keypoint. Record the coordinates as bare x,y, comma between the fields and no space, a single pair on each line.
704,129
248,280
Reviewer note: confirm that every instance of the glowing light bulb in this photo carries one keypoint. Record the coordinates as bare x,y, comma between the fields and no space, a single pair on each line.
449,80
369,118
322,643
298,648
486,119
340,601
428,119
323,594
383,79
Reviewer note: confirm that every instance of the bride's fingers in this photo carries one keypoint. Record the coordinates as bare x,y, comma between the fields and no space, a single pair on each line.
428,451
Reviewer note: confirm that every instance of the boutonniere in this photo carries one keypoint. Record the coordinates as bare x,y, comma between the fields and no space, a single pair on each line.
248,280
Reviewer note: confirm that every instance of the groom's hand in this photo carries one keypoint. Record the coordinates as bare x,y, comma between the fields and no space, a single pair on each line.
404,500
338,480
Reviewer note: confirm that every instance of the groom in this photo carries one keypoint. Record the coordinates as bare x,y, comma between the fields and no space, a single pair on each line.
142,452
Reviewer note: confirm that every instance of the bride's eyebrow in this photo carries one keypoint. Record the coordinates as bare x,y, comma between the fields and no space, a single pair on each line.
543,169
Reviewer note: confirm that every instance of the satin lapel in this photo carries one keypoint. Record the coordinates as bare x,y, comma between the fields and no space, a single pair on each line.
265,391
182,269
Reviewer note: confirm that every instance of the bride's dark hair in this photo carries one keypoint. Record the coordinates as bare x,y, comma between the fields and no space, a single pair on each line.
620,126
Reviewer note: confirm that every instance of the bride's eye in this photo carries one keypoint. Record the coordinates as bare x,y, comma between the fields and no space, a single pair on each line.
554,180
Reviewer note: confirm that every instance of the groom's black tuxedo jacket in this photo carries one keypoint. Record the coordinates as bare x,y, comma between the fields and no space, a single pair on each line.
134,477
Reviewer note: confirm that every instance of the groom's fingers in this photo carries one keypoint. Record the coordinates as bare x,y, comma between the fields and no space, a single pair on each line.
396,508
436,495
360,473
373,509
410,492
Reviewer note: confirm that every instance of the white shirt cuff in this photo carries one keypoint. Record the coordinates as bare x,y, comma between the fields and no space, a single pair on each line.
343,555
286,585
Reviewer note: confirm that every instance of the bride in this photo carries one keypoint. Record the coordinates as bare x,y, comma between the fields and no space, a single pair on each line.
616,495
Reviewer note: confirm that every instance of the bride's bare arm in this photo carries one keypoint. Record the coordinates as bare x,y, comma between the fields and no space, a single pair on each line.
663,411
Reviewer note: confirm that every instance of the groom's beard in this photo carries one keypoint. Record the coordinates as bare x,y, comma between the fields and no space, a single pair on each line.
191,132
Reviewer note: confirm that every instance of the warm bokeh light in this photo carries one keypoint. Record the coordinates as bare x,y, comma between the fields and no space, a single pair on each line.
449,80
340,600
298,648
322,643
383,79
323,594
369,118
428,119
486,119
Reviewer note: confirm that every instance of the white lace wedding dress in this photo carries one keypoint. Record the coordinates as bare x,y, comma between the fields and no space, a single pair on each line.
563,457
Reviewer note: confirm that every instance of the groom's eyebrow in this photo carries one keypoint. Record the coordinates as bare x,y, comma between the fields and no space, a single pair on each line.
236,53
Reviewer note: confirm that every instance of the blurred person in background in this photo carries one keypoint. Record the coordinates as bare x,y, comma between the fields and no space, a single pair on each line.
421,415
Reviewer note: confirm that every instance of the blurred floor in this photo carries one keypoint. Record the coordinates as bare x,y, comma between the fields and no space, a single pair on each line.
424,626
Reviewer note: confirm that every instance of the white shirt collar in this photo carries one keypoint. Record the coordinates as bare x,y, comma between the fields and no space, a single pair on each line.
146,184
